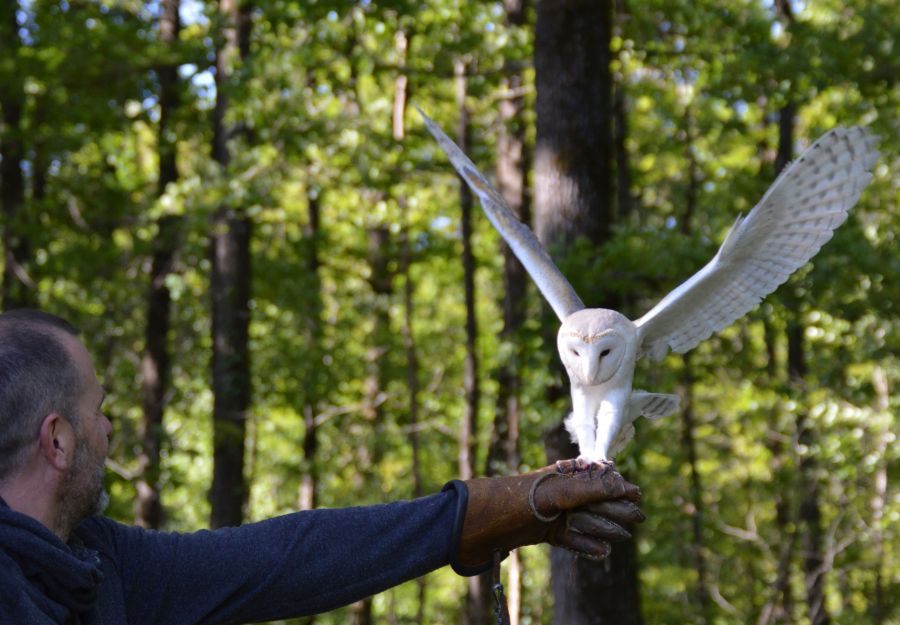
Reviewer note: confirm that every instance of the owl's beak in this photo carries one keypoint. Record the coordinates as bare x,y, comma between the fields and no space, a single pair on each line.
590,367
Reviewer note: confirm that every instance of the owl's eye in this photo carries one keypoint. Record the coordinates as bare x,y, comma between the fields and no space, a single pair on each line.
575,352
605,352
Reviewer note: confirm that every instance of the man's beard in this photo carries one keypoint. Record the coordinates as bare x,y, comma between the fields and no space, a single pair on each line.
83,493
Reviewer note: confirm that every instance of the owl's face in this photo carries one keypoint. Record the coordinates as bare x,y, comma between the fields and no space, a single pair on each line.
595,345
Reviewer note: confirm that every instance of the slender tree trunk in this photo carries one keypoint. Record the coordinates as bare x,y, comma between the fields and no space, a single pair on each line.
17,286
412,384
879,606
810,515
409,343
467,441
155,360
779,608
573,198
477,597
371,450
308,495
512,165
230,285
688,417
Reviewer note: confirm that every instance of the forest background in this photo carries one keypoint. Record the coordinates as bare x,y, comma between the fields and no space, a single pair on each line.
293,303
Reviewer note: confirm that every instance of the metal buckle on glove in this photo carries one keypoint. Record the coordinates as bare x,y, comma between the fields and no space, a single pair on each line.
534,510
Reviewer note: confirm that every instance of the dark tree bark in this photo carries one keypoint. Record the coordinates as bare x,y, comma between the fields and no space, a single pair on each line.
592,593
155,360
573,198
17,286
573,155
230,285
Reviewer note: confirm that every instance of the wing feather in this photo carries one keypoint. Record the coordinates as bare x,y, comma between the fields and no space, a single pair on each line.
796,216
552,284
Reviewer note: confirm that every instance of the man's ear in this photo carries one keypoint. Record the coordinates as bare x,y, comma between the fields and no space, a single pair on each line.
57,441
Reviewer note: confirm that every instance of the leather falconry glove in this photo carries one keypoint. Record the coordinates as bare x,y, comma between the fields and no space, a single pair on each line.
582,512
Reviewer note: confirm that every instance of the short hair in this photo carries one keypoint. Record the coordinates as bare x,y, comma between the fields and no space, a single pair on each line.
38,376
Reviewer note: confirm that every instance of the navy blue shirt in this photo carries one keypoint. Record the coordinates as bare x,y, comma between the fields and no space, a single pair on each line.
293,565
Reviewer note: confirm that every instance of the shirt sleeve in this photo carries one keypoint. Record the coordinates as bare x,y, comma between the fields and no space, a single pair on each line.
289,566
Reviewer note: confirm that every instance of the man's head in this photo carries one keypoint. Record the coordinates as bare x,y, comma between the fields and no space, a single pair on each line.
50,419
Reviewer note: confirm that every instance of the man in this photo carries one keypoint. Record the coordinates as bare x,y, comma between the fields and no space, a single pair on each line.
62,562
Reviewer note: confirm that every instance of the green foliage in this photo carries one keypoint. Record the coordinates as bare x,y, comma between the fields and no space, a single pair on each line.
703,83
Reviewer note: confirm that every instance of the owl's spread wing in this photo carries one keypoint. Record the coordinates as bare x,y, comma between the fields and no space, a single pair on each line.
552,284
795,217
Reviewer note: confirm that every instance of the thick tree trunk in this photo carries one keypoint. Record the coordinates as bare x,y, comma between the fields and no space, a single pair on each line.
592,593
155,360
573,198
230,285
573,155
17,287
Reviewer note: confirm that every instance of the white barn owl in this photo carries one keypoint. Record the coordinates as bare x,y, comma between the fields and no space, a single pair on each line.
599,347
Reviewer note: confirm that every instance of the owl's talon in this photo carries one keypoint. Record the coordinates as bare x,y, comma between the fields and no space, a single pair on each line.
580,465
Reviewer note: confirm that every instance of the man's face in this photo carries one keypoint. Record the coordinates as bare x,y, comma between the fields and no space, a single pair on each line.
83,491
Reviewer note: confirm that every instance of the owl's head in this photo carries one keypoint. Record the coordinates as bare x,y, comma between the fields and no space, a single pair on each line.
595,344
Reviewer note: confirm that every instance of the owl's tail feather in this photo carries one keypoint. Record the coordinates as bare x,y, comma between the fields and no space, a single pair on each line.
652,405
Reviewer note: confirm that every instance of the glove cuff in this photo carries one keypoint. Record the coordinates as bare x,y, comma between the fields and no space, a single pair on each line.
462,504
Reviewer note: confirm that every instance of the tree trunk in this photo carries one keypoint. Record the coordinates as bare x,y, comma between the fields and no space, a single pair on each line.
409,342
512,165
477,609
467,439
879,608
810,515
779,608
688,440
230,285
308,495
371,450
573,198
155,360
592,593
17,286
573,155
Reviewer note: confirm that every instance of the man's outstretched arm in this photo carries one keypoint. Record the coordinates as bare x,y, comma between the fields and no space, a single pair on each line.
315,561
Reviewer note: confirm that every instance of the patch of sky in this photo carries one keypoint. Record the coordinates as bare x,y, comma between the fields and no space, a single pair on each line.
191,12
441,222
